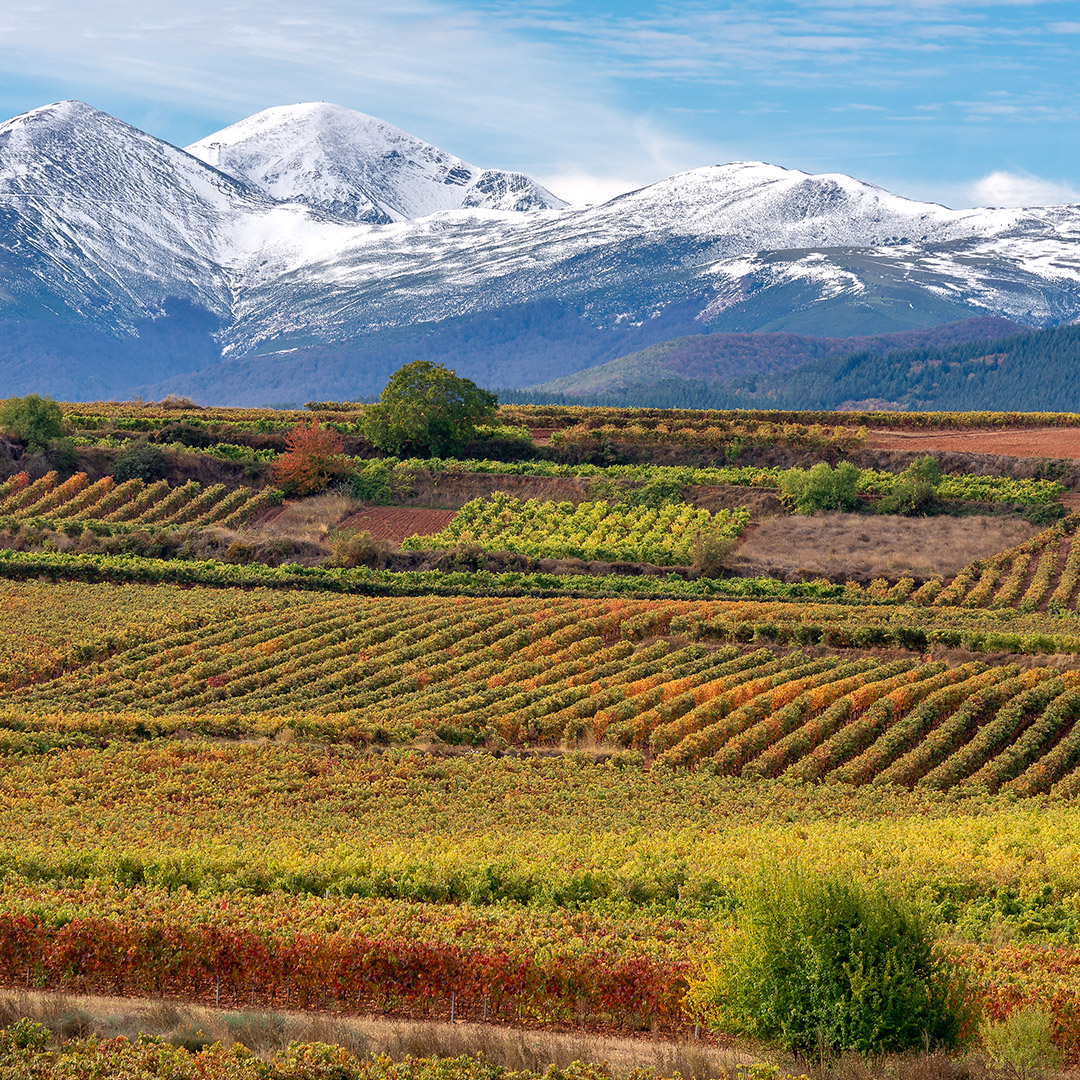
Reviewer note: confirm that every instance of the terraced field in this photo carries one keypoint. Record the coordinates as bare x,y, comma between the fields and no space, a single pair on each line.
130,504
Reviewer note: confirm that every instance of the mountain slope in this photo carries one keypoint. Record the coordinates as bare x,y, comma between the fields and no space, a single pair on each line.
718,357
265,259
950,370
105,220
1036,371
359,167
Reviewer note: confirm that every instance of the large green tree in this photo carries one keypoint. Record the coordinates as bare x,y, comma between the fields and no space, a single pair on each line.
36,420
427,409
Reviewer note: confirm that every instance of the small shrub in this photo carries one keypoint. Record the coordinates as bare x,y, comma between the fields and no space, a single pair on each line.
382,481
141,461
1045,513
1022,1044
711,552
313,458
823,965
240,551
349,548
915,488
186,435
821,488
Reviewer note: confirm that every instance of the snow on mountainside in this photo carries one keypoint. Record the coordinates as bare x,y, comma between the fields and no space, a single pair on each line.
110,218
359,167
317,227
754,241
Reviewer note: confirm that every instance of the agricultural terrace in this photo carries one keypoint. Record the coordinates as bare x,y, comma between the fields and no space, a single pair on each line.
521,767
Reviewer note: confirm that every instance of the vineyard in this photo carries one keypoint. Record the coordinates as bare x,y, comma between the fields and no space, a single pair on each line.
24,1052
533,792
278,876
399,474
653,677
1040,575
664,536
130,504
83,415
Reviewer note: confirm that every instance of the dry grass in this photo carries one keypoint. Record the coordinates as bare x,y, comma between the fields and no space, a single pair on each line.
840,546
310,520
70,1017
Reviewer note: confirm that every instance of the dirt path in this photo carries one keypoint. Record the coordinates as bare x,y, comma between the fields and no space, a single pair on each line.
1011,442
511,1045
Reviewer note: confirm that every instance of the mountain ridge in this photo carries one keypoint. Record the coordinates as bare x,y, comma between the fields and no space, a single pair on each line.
106,233
358,167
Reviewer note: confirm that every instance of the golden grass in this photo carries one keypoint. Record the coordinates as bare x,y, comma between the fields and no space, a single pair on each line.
517,1048
840,546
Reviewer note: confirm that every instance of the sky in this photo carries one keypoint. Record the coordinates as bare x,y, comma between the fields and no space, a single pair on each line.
961,102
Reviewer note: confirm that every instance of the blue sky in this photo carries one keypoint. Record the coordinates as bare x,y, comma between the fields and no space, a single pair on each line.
962,102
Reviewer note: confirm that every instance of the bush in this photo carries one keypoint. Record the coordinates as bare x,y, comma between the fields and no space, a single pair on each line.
1022,1044
915,488
140,462
382,481
711,552
349,548
314,456
186,434
36,420
821,488
825,965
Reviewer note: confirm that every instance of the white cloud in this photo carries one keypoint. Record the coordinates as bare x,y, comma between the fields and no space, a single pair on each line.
586,189
1003,188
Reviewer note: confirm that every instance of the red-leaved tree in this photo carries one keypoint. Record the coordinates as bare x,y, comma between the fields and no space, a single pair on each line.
314,456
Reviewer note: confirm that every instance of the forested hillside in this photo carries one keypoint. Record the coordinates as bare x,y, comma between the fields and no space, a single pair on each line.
1032,371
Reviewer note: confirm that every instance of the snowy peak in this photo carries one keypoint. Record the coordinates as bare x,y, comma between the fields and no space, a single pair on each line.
114,218
358,167
754,206
70,148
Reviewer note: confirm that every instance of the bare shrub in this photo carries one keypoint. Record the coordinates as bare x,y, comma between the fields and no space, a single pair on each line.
350,547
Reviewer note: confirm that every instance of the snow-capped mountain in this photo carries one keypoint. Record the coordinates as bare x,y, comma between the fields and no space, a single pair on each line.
110,219
358,167
310,249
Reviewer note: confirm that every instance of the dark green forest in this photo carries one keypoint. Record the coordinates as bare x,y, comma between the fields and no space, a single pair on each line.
1037,371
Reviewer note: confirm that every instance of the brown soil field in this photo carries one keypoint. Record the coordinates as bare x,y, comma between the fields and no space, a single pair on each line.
857,546
394,523
1012,442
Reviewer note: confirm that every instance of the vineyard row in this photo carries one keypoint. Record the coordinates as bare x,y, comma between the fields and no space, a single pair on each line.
130,504
572,671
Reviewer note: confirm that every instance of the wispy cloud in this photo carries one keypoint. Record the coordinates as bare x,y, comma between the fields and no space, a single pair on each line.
590,96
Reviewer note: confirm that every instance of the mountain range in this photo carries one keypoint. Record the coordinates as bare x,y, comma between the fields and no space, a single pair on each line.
309,250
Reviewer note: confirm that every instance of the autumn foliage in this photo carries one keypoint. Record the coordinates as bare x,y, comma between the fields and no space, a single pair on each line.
314,456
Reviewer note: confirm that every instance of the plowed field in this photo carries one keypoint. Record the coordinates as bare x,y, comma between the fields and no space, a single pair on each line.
1033,442
394,523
